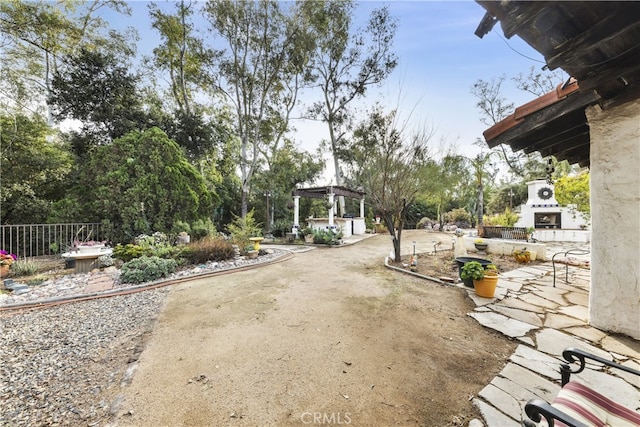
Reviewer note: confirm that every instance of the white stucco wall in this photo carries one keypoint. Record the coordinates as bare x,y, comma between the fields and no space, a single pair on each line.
614,301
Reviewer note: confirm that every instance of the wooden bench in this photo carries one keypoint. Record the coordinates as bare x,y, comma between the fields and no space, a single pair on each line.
565,258
578,405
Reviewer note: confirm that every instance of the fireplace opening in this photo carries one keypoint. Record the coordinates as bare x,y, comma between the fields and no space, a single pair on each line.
548,220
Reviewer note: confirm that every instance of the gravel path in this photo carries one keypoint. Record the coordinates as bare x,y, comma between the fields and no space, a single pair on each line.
68,364
64,365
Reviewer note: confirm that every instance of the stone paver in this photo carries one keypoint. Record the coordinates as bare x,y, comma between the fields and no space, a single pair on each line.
494,417
522,315
536,361
578,298
561,321
98,283
510,327
588,333
502,400
521,304
536,300
547,320
551,341
621,345
537,385
577,311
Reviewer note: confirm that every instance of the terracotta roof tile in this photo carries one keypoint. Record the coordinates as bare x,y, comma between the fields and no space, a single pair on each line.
561,92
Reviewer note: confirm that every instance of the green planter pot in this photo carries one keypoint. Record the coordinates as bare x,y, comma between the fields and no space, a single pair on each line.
461,261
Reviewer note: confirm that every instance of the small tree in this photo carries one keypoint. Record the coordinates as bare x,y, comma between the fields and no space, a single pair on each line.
391,173
243,228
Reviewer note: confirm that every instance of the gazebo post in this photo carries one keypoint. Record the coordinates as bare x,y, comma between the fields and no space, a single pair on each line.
332,203
362,208
296,215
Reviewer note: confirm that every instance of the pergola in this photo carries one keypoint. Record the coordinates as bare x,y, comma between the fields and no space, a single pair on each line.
327,192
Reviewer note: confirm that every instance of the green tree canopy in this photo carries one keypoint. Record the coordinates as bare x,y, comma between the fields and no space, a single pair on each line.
574,190
143,182
99,90
33,167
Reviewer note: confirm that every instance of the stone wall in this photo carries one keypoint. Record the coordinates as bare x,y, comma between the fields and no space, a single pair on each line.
614,302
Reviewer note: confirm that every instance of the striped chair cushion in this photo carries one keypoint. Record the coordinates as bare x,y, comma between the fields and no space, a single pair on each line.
592,408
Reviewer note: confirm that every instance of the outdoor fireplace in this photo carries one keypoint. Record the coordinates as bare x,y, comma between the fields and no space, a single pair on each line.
547,220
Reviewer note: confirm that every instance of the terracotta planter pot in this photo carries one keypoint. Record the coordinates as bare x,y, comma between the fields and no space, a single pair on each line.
486,287
4,270
461,261
523,257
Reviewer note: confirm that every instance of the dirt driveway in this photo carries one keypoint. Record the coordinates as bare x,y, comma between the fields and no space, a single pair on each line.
328,337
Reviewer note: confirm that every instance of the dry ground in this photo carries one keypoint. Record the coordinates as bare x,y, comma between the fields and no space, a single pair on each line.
328,337
442,264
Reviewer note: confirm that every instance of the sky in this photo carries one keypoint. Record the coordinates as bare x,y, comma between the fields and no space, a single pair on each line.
439,60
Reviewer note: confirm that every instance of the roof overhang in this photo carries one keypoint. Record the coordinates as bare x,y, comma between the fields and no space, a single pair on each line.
321,192
596,42
554,125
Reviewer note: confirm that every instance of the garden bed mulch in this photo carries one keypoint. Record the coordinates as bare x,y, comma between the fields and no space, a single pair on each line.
442,265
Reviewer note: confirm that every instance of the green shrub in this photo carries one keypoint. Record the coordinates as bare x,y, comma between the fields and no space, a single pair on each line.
459,216
242,229
24,268
106,260
326,237
156,239
202,228
166,251
281,227
130,251
506,219
208,249
146,269
180,226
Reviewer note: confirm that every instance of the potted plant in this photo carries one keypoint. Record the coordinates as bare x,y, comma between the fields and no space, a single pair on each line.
529,232
523,256
485,279
481,245
307,232
6,260
250,252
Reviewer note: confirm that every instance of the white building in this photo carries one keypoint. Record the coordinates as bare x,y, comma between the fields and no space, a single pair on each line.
551,221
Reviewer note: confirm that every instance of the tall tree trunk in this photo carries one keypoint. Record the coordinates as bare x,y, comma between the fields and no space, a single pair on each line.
336,165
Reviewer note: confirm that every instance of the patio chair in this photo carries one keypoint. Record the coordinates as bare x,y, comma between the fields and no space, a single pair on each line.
578,405
567,260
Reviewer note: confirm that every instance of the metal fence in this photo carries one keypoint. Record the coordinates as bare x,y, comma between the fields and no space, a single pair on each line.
497,232
32,240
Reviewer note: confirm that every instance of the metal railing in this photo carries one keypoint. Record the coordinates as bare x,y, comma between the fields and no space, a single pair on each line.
32,240
498,232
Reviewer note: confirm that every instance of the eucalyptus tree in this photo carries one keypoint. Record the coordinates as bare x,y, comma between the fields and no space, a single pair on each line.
346,63
181,54
187,64
390,173
483,172
261,69
38,35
